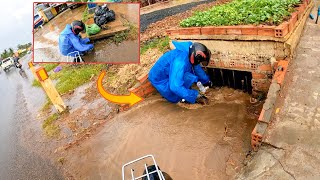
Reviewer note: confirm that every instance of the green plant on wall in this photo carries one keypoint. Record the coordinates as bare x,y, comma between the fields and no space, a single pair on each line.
241,12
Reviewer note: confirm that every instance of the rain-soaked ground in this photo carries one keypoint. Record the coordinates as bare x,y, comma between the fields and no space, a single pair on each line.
19,102
188,141
46,39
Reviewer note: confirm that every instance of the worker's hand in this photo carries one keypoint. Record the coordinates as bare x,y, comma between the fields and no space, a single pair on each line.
201,99
209,84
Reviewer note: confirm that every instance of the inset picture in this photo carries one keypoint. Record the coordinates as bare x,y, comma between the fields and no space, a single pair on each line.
86,32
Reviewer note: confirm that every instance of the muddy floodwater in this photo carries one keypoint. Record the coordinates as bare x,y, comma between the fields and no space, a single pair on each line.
188,141
46,39
107,52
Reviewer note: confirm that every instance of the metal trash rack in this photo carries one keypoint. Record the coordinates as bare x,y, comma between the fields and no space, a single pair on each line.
158,171
70,58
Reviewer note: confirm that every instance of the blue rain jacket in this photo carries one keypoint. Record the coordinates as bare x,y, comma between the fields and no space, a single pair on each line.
69,42
173,74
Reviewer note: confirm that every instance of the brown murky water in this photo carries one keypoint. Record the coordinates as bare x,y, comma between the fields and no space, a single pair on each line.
108,52
46,39
207,142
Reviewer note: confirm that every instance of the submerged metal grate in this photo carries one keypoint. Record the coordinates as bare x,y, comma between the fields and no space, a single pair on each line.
147,175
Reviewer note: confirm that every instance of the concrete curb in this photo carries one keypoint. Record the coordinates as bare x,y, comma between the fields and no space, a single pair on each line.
269,106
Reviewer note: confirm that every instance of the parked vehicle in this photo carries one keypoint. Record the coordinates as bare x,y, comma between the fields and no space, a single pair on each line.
38,21
74,5
7,63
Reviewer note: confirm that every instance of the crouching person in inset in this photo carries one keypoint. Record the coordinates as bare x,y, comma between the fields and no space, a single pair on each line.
71,43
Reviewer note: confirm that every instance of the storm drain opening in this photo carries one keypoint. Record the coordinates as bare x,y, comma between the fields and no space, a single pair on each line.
231,78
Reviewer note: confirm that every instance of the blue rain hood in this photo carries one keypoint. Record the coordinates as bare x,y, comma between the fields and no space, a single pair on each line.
173,74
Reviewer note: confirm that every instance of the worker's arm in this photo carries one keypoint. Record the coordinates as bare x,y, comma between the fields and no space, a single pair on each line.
202,76
176,82
78,45
84,40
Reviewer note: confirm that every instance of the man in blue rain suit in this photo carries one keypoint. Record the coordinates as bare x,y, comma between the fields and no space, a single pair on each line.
71,41
175,72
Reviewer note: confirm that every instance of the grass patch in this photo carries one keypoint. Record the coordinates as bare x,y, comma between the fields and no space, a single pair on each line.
130,34
49,127
50,66
133,32
36,83
71,77
119,37
47,105
85,15
242,12
161,43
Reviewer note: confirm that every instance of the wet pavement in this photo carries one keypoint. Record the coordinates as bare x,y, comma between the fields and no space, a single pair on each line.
188,142
46,39
19,102
290,149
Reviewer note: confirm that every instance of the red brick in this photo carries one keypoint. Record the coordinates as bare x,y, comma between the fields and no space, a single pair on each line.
211,63
210,30
233,30
258,76
282,30
220,30
280,75
266,30
300,10
261,115
134,90
256,139
149,90
190,31
249,30
172,32
265,67
140,93
143,78
292,21
146,85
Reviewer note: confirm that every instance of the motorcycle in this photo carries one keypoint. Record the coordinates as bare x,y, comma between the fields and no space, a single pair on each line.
18,65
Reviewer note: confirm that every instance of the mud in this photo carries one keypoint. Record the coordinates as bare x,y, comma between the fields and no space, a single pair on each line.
209,142
46,39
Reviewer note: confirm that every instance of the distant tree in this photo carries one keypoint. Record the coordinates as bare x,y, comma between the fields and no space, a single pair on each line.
24,46
4,54
11,52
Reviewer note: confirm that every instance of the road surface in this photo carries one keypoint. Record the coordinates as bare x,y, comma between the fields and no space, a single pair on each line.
16,161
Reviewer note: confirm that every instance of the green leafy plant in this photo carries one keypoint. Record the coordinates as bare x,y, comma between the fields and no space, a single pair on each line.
242,12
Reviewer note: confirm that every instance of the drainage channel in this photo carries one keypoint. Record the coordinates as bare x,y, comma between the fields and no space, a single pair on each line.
231,78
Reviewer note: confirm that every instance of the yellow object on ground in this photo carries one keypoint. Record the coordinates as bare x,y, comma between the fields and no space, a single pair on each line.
50,89
54,12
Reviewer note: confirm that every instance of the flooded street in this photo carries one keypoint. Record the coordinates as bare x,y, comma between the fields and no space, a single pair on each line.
188,141
19,102
46,48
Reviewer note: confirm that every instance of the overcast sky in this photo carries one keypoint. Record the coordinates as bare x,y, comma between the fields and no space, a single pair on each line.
16,22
